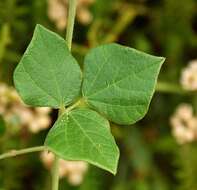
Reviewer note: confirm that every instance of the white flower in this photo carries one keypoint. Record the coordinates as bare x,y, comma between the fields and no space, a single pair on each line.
39,123
84,15
75,178
3,88
184,111
11,107
57,12
182,134
47,158
26,115
184,124
73,170
43,110
189,76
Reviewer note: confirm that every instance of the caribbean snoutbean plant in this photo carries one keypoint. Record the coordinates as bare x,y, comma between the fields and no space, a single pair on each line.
116,84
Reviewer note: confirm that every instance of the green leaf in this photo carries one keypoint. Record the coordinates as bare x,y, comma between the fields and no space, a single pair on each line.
47,74
83,134
119,82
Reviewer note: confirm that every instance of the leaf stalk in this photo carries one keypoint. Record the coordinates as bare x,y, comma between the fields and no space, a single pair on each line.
14,153
69,36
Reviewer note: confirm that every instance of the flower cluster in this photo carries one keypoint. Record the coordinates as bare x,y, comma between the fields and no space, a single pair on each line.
189,76
73,170
57,12
16,113
184,124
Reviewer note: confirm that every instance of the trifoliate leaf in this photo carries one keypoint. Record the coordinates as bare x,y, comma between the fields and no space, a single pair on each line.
47,74
119,82
83,134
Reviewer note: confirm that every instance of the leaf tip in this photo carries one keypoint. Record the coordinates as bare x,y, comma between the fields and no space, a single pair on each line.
39,26
114,171
161,60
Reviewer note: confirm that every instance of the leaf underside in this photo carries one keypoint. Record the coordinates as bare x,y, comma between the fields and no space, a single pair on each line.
47,75
119,82
83,134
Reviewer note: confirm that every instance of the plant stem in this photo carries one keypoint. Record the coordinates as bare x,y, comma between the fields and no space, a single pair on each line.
165,87
55,168
125,18
71,19
14,153
79,102
69,35
55,174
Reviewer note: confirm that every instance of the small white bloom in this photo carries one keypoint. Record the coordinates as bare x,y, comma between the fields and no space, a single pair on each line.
84,16
189,76
184,124
184,111
73,170
179,133
12,107
26,115
3,88
47,158
43,110
43,121
34,126
75,178
57,12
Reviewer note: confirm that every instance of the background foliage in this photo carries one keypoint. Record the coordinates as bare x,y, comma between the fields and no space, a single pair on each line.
150,158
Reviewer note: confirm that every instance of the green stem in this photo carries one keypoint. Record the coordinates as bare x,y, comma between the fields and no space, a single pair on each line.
166,87
79,102
69,35
14,153
55,174
71,20
4,39
55,168
93,33
123,21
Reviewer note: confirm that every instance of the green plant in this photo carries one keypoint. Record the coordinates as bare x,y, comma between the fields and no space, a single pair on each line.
117,85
